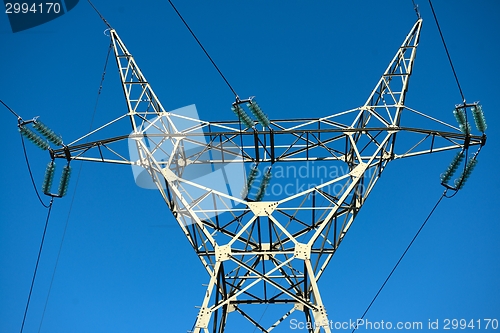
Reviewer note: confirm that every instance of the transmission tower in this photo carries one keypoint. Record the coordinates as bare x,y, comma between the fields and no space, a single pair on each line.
260,247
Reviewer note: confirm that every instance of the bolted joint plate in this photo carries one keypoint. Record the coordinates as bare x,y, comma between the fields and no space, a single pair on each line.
222,252
392,129
299,307
231,307
203,318
320,317
262,208
302,251
359,170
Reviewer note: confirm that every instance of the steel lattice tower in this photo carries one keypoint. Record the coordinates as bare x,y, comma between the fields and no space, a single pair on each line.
274,250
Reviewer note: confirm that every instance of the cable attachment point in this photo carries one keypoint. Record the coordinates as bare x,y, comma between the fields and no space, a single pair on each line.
460,113
43,130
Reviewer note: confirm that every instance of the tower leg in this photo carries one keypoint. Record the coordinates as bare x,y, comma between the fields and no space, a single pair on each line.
321,323
204,315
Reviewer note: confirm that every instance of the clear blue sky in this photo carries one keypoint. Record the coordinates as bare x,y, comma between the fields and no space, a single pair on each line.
126,267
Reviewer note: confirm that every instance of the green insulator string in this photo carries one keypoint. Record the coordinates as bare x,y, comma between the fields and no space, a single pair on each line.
477,113
64,182
49,177
257,112
34,138
461,118
446,176
243,116
251,178
460,181
47,132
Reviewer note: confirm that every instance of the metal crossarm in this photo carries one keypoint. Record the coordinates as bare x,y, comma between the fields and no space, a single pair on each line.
273,250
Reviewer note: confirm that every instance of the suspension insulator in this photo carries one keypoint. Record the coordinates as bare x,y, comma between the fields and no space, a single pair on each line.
460,182
47,132
252,175
459,114
242,115
64,182
446,176
49,177
34,138
263,185
477,113
464,126
250,180
257,112
244,191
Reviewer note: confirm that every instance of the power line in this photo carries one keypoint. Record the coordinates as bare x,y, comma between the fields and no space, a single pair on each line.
402,256
19,119
12,111
37,262
458,84
31,174
98,13
74,191
204,50
192,33
447,53
415,7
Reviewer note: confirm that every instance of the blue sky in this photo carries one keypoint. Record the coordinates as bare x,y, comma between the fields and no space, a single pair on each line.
125,266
